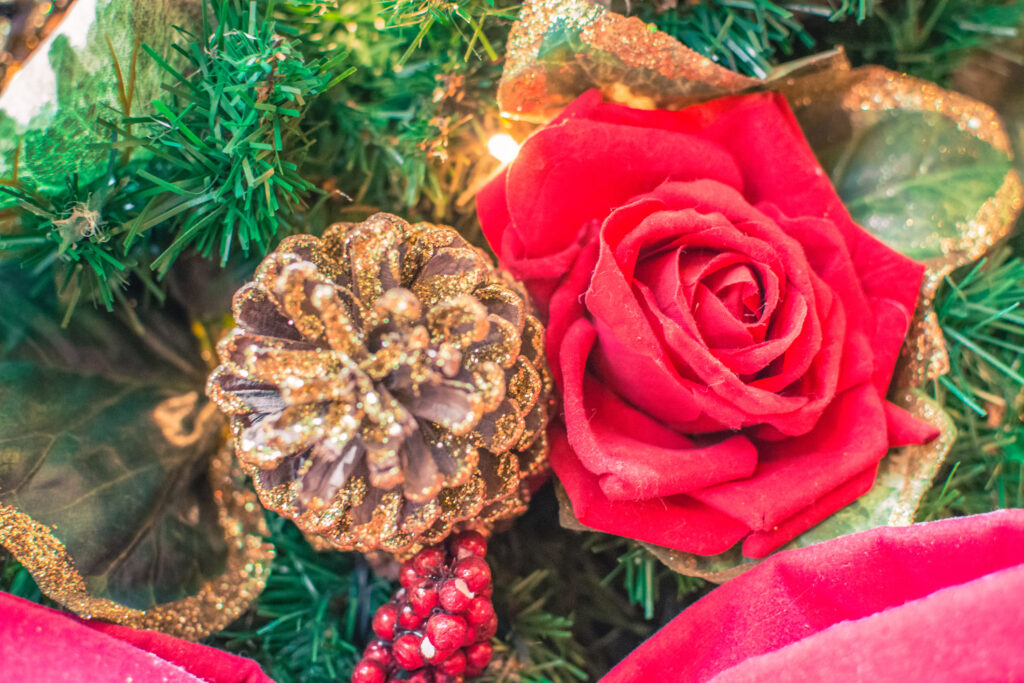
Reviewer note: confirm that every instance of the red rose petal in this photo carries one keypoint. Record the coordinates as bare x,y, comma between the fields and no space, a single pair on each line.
827,253
674,521
795,473
640,457
905,429
728,289
798,187
567,306
760,543
891,322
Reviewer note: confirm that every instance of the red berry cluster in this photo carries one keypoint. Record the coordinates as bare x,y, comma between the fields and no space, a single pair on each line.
437,628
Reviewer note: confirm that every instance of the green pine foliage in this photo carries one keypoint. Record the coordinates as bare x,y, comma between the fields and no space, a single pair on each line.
927,38
313,617
75,239
407,131
228,142
980,314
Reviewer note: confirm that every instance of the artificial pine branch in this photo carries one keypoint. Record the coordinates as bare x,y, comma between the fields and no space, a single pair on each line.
313,619
979,310
76,239
229,143
927,38
643,575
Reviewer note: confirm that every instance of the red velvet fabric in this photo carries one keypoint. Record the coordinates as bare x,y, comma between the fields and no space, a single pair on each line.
932,602
722,333
40,644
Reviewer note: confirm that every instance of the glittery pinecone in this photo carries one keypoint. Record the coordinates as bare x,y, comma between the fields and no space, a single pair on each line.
385,384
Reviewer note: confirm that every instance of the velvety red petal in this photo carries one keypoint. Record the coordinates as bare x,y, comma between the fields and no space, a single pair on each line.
905,429
796,594
760,543
891,322
573,160
795,473
675,521
762,241
636,456
764,132
830,259
566,306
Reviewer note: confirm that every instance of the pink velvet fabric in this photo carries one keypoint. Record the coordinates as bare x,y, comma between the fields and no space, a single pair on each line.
942,601
39,644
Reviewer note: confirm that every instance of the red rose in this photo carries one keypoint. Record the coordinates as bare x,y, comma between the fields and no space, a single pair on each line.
722,332
930,602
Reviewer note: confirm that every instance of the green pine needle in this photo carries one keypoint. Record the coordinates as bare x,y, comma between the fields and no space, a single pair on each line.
313,619
643,574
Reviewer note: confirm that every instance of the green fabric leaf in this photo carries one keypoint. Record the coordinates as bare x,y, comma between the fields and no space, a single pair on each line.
914,179
119,471
112,470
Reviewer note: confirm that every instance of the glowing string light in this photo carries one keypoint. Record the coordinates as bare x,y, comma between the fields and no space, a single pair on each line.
503,147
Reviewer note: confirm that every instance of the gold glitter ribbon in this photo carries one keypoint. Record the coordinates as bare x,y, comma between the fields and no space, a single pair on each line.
219,602
560,48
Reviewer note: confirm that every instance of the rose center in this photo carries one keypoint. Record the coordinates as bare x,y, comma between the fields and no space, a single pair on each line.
739,289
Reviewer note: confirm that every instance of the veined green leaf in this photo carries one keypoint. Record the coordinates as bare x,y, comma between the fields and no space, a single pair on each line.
915,180
119,472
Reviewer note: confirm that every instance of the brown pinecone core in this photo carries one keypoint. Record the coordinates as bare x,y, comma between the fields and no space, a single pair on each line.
385,384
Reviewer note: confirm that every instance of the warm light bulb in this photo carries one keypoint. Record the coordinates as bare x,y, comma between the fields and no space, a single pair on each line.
503,147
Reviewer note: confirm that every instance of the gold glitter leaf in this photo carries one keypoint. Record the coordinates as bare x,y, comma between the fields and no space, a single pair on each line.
108,498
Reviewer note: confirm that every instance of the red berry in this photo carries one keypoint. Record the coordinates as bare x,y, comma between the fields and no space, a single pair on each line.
478,656
384,622
445,678
406,652
479,611
454,665
407,575
423,597
487,630
446,631
430,561
454,595
475,572
421,676
368,672
408,619
468,543
377,651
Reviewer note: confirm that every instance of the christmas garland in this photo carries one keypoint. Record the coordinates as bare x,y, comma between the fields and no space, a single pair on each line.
780,293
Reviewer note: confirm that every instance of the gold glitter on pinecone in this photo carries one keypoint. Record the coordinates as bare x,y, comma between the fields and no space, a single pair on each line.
385,384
